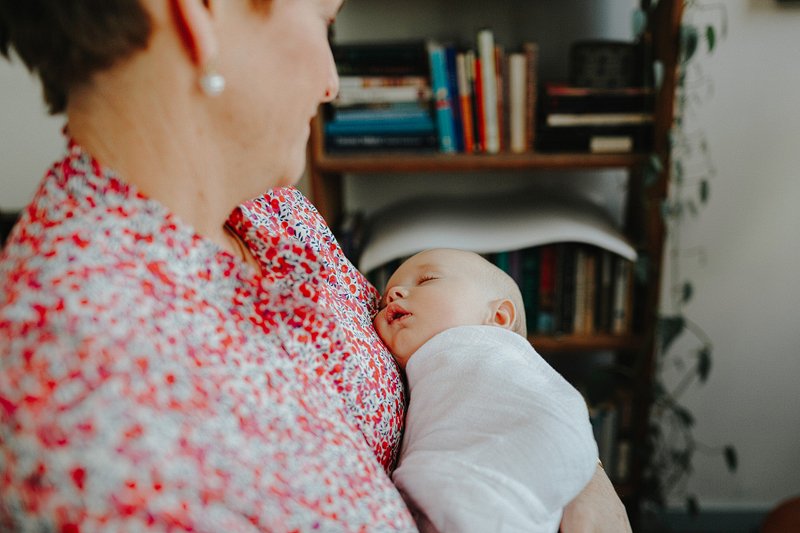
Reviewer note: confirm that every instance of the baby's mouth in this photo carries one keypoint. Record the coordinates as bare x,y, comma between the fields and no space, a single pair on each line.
395,312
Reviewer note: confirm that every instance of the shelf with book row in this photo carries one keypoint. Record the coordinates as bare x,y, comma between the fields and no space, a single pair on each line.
577,297
573,266
423,98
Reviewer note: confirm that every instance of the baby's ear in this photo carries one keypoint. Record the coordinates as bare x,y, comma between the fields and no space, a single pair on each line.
504,314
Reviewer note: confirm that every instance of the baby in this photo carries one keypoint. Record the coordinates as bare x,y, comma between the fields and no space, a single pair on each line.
495,439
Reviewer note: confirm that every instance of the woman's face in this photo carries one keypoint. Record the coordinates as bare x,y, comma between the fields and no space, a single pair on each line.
279,67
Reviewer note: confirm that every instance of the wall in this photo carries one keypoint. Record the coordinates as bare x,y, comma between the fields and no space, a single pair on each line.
747,297
31,139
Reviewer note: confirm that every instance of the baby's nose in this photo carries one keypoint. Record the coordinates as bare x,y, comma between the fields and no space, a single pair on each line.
395,293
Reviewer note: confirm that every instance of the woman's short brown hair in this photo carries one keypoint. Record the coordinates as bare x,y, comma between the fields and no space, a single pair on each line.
65,42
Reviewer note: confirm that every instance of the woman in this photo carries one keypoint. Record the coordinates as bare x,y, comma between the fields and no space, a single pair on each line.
175,357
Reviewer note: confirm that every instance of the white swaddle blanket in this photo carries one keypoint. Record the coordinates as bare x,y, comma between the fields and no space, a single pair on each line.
495,439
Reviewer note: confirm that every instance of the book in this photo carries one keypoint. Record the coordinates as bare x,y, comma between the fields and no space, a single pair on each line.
531,51
423,124
597,139
480,115
384,142
396,93
622,303
548,257
387,58
500,70
517,87
450,54
377,113
530,275
358,82
563,98
565,289
465,102
488,75
441,97
604,292
555,120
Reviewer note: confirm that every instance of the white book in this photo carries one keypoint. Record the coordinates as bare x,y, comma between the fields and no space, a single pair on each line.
489,87
517,71
598,119
365,95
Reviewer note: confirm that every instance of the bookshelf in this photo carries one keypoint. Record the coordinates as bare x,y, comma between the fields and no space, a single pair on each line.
642,219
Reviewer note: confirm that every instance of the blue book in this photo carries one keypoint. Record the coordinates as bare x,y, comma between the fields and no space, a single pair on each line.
422,124
455,105
441,98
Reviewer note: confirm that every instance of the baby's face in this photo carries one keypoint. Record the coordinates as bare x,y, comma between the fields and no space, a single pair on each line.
431,292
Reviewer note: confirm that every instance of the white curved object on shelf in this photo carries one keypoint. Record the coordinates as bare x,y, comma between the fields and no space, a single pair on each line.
487,225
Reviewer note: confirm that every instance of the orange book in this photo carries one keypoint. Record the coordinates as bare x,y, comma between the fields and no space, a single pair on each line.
465,102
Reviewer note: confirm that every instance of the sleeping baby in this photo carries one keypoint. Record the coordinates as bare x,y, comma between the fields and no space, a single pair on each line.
495,438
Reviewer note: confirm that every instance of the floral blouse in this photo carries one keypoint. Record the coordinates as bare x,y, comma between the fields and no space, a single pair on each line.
151,381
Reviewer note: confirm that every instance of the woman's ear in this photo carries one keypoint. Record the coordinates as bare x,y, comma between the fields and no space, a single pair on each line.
195,23
504,314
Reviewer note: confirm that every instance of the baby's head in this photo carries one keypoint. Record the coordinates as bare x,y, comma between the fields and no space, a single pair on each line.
443,288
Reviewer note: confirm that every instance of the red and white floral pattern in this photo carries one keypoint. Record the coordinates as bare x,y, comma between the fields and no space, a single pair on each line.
150,381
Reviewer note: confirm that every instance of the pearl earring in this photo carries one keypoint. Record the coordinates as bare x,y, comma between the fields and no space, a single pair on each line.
212,82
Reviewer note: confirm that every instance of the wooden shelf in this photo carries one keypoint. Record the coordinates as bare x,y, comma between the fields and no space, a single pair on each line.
585,343
437,162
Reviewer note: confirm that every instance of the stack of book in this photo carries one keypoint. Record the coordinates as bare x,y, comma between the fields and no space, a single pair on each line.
567,288
595,120
485,98
384,100
572,288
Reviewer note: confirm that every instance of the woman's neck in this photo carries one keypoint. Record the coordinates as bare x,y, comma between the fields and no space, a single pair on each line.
161,146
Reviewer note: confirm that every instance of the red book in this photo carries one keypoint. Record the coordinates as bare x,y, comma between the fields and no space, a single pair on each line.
480,137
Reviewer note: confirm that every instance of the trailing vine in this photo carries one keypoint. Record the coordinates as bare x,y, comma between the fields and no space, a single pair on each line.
684,348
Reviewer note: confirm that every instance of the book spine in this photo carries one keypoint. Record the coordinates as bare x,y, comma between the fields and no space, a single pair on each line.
598,119
517,114
529,286
480,116
452,93
486,52
531,51
359,82
621,318
439,84
389,94
465,102
547,289
383,142
500,73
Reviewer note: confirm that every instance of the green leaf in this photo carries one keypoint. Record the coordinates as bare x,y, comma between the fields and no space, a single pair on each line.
731,458
654,162
678,172
711,37
670,327
704,191
686,291
685,416
704,363
688,40
692,505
